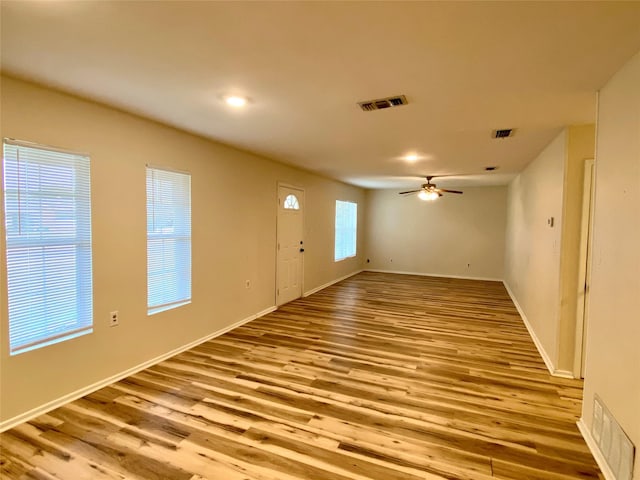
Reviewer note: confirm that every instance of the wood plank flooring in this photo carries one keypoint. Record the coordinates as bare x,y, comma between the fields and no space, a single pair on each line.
386,377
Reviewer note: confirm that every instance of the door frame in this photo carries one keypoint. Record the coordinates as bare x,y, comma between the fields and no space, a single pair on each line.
304,207
584,271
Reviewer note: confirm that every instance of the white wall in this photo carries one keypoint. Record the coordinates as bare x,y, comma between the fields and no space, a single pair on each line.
233,230
532,255
456,235
613,342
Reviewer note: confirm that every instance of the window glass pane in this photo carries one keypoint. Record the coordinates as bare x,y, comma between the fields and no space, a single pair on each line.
346,228
168,239
291,203
47,197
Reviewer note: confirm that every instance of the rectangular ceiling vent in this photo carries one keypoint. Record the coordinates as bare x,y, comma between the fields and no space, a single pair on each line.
381,103
507,132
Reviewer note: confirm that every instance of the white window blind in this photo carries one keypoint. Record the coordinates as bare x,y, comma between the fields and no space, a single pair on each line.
346,227
47,201
168,239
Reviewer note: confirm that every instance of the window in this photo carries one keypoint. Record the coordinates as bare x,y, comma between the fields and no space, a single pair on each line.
47,202
346,226
291,203
168,239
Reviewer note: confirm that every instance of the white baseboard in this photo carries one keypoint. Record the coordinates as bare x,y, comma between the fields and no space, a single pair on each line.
543,353
47,407
328,284
595,451
423,274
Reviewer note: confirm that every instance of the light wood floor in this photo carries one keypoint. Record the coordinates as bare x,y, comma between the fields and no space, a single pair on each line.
382,377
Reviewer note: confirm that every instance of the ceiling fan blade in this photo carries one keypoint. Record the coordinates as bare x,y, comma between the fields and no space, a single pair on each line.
450,191
410,191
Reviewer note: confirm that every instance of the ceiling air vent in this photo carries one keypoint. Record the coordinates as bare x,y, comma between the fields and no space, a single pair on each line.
380,103
507,132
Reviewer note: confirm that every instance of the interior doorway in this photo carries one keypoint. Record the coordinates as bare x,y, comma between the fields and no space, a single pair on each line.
289,244
584,273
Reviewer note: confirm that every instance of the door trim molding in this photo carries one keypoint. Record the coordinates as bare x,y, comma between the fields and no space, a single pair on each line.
584,268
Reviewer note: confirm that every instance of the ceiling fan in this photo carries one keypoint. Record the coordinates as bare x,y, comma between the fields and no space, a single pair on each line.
429,191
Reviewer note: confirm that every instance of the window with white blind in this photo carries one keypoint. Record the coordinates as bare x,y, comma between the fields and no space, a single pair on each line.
346,227
168,239
47,206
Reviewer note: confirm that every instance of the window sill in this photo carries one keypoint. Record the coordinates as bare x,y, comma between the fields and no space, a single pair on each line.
164,308
336,260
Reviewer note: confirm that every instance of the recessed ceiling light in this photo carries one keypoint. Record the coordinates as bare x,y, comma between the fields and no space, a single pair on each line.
412,157
235,101
489,169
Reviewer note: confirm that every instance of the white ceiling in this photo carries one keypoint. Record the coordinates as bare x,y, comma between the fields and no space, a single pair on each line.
466,69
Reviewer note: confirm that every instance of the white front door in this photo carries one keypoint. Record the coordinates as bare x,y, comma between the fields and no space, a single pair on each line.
290,246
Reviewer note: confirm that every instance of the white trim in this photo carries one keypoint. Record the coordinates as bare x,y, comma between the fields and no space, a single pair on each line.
47,407
423,274
328,284
595,451
543,353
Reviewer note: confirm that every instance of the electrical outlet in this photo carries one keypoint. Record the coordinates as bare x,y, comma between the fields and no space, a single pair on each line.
114,320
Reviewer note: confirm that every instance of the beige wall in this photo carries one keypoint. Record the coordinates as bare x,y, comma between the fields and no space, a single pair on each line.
532,253
233,230
542,262
456,235
613,339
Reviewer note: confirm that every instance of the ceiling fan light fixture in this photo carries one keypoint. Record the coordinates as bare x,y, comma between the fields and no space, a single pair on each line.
428,196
